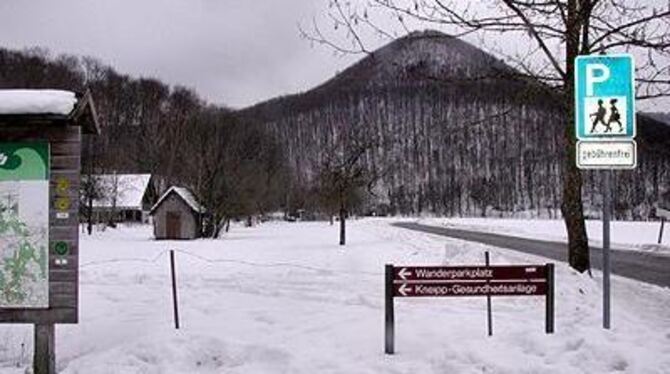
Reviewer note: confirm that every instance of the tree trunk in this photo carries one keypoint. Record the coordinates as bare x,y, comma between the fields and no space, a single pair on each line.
571,207
343,218
89,211
217,225
573,215
112,215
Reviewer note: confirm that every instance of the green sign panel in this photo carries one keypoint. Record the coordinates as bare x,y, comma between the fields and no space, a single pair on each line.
24,225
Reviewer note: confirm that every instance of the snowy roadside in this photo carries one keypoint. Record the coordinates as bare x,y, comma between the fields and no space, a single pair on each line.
626,235
285,298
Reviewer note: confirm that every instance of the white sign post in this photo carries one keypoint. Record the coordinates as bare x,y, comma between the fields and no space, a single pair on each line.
605,127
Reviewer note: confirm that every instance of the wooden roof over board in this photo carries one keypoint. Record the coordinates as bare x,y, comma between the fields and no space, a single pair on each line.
84,115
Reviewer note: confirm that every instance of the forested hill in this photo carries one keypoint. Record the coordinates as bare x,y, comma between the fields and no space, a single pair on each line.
460,133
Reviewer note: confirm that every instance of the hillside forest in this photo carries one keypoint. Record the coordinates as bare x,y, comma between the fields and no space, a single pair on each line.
382,137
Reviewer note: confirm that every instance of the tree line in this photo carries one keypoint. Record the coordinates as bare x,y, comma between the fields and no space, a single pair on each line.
475,149
394,147
233,166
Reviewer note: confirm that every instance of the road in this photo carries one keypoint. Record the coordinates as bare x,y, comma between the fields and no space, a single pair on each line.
646,267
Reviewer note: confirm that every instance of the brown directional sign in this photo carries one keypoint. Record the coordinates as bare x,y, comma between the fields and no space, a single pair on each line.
477,288
444,273
454,281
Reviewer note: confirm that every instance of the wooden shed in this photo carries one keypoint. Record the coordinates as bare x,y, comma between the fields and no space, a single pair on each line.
177,215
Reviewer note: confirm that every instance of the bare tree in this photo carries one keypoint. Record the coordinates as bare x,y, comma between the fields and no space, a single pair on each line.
556,31
482,191
91,188
343,177
235,168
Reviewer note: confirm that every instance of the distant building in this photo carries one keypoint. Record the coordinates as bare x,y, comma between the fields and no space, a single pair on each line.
177,215
123,198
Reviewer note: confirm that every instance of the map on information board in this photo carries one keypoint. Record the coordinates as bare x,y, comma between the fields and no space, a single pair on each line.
24,225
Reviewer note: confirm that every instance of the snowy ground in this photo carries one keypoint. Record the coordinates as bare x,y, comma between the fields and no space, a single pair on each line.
285,298
625,235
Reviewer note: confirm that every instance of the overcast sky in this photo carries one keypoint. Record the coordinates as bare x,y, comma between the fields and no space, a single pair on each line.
232,52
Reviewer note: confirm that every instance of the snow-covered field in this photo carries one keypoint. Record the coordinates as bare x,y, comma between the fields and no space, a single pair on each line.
285,298
626,235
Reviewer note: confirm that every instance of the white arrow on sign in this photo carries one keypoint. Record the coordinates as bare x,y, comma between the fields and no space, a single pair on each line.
404,289
403,273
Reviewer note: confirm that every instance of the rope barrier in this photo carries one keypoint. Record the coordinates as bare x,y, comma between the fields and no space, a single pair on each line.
232,261
152,261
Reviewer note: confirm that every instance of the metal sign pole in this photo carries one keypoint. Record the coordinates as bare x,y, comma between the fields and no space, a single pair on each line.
389,323
607,205
488,301
550,300
175,303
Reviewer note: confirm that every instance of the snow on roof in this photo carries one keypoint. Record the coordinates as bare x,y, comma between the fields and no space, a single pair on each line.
37,102
185,194
127,189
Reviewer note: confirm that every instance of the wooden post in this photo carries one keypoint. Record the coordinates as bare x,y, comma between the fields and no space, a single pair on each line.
174,290
489,314
549,318
44,356
343,226
389,330
660,233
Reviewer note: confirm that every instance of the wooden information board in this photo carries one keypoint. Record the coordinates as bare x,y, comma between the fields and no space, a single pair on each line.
62,144
40,164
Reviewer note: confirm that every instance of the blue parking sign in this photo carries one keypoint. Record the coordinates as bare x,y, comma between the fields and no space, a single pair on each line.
605,97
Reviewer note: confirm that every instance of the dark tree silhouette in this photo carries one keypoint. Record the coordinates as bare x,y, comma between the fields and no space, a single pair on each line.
343,178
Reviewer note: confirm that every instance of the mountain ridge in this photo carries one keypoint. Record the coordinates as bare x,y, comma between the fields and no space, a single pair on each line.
417,59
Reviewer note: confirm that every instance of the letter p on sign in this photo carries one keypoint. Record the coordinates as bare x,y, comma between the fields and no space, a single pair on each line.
595,73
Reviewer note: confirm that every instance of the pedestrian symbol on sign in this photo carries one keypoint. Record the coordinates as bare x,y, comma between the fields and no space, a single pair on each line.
603,116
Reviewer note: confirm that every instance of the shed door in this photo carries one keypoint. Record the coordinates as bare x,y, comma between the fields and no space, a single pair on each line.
173,225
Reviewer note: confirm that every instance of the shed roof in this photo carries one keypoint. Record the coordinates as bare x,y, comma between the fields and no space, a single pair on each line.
127,189
40,106
184,194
